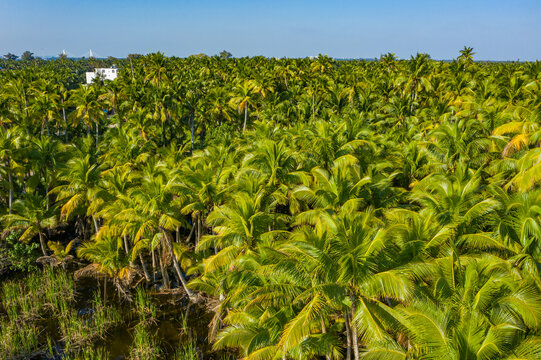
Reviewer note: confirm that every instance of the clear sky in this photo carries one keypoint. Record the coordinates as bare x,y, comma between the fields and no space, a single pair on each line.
496,29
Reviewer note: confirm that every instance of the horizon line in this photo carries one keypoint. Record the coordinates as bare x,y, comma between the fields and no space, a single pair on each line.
53,57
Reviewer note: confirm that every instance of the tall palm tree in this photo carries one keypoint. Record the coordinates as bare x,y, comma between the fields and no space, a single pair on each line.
243,99
9,143
88,108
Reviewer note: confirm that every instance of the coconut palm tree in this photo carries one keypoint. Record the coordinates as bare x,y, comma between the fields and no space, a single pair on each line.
88,108
9,143
31,216
107,259
244,98
154,202
78,191
485,313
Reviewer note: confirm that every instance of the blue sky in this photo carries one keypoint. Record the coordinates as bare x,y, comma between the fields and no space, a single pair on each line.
498,30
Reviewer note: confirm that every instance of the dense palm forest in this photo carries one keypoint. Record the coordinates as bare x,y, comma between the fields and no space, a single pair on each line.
320,209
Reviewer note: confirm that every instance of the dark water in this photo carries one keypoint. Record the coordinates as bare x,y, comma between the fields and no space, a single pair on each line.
177,322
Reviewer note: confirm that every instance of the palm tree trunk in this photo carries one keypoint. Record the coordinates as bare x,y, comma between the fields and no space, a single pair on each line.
199,228
42,243
145,271
95,224
126,246
192,127
65,121
153,265
245,116
10,180
348,336
191,233
97,132
176,265
313,107
324,331
165,277
127,249
354,340
196,224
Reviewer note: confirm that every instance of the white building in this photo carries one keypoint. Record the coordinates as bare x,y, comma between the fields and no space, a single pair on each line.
103,73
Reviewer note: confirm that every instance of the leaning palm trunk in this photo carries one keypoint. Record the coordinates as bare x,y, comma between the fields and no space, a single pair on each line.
199,230
165,277
95,224
126,246
127,249
153,252
176,265
145,271
42,243
192,230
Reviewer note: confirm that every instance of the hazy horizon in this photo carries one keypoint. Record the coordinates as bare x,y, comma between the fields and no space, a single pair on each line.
497,30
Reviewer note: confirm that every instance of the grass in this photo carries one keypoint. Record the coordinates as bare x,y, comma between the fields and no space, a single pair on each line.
27,301
16,340
27,307
187,352
90,353
144,307
50,294
80,330
38,293
18,301
144,346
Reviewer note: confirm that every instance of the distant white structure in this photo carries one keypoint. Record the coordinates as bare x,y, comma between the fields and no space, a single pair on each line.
103,73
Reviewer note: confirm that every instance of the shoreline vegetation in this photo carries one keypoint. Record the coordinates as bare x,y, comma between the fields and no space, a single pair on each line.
256,208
